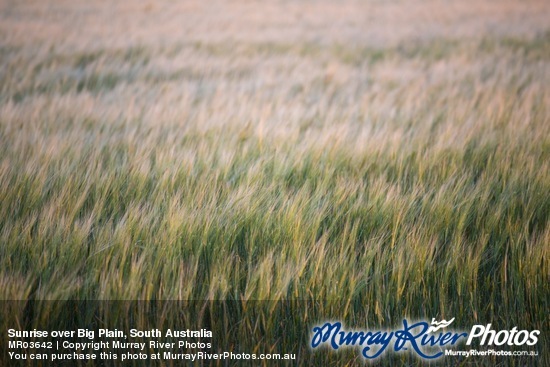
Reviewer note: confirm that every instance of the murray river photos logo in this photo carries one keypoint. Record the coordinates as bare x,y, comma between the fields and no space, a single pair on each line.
426,340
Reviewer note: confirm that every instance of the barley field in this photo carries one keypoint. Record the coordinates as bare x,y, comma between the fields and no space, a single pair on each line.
389,159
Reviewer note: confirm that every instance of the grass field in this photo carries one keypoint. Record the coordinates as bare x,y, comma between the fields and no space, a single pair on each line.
387,156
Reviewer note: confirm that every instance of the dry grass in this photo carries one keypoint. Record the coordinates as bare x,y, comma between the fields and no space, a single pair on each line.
388,154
